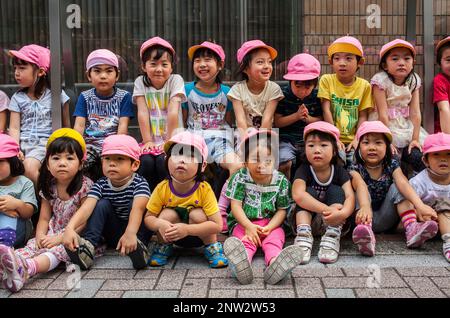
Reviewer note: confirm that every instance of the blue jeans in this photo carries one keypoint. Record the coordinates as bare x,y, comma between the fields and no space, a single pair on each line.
104,223
24,232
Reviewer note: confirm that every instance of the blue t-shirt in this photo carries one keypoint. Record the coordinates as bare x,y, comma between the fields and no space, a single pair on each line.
103,113
120,198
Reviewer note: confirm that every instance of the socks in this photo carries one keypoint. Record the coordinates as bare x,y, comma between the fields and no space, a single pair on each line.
224,203
32,266
54,262
408,217
303,228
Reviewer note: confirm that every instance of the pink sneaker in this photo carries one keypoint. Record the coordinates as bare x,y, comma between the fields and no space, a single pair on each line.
419,232
15,273
365,239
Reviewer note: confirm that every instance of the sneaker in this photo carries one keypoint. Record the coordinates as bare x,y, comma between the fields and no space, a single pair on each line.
214,254
237,256
419,232
446,246
140,256
160,255
304,239
15,272
83,256
364,238
330,245
283,265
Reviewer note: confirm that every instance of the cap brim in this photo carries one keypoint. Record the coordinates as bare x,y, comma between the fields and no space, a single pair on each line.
398,46
437,149
192,50
441,43
118,152
299,77
13,53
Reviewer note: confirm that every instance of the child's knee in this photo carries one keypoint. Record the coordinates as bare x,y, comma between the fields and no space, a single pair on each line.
197,216
169,215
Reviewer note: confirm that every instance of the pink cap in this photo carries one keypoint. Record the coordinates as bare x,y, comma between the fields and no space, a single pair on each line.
442,42
436,142
346,44
9,147
397,43
121,145
303,67
322,126
100,57
34,54
156,41
373,127
216,48
251,132
252,45
190,139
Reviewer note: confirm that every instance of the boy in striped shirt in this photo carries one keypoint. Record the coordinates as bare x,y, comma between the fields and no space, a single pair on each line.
114,208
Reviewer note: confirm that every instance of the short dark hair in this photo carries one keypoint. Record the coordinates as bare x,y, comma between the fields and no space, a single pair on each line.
264,138
325,137
387,158
147,55
16,167
42,84
200,175
205,52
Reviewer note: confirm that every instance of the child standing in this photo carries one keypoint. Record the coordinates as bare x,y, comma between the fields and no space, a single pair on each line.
17,195
256,97
259,197
158,95
63,189
114,208
323,193
299,108
441,88
183,209
30,122
102,111
379,210
346,98
4,103
396,97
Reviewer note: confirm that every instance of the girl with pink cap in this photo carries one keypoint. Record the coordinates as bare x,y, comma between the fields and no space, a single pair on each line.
323,192
30,122
396,96
441,88
381,189
158,95
4,102
103,110
256,97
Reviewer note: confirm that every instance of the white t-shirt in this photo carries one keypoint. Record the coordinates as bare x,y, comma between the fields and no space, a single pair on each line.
427,190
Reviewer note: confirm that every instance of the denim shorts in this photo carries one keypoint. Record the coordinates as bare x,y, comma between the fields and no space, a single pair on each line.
34,148
218,148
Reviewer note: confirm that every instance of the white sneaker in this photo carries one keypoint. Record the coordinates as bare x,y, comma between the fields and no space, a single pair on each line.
304,239
446,246
330,245
282,266
238,262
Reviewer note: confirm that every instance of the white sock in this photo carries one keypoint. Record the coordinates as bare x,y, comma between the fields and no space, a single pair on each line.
54,262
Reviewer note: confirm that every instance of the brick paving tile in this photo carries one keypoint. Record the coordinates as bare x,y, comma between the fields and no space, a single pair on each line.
121,284
209,273
39,294
195,288
66,281
37,284
446,291
222,293
340,293
88,288
151,294
441,282
110,274
232,283
388,279
148,274
171,279
385,293
309,288
301,271
424,287
109,294
420,271
266,294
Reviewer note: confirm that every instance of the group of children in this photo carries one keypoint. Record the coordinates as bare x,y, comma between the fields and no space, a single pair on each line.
97,185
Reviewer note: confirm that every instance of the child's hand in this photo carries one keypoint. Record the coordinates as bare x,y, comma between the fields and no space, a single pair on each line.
352,145
165,225
264,231
333,215
414,144
251,234
8,203
394,150
302,112
21,156
50,241
177,232
127,243
39,238
151,146
364,215
11,213
341,145
426,213
70,239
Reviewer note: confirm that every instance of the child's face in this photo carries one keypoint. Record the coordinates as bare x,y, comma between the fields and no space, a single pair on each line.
260,162
445,61
26,75
399,63
5,170
439,162
345,65
63,166
302,89
103,78
319,153
183,166
118,168
373,149
206,68
158,71
260,67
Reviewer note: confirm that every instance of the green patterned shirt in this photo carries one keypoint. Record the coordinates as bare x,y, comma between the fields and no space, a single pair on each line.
258,201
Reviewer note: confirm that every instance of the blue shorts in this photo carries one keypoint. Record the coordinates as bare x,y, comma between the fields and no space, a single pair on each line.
218,148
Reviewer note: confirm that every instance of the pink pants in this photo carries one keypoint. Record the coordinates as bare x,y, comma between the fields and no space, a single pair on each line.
271,244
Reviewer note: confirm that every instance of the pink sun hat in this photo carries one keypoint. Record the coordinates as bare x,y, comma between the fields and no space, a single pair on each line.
190,139
373,127
156,41
252,45
303,67
9,147
322,126
216,48
100,57
442,42
252,132
346,44
121,145
34,54
436,142
397,43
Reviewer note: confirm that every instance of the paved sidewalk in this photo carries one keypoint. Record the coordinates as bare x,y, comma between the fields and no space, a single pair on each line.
395,272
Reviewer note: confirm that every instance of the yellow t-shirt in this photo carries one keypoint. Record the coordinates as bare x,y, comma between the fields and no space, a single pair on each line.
201,196
346,102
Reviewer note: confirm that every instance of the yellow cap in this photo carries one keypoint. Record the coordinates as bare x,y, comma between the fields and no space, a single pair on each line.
69,133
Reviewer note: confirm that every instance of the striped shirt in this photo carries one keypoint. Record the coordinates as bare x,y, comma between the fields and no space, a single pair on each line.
120,198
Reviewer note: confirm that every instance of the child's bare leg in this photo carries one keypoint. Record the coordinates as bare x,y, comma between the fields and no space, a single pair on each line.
197,216
32,167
